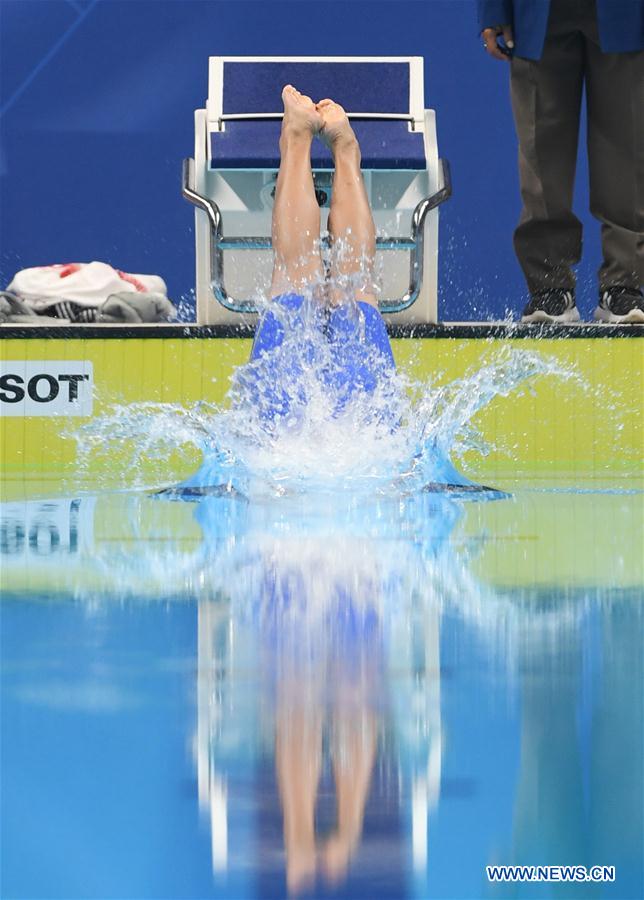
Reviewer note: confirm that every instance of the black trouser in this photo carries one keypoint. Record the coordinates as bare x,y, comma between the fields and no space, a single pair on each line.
546,99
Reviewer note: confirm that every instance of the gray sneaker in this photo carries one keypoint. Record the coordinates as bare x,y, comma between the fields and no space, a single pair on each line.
551,305
620,304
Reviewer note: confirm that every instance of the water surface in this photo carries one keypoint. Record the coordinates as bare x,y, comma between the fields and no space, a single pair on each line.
360,697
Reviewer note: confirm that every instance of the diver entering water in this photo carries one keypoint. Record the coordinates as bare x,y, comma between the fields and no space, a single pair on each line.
321,369
298,266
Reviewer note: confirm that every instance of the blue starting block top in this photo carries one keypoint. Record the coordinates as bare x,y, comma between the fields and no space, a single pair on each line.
370,87
245,103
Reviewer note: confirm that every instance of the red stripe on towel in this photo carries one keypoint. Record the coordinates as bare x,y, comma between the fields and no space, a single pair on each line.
132,280
67,269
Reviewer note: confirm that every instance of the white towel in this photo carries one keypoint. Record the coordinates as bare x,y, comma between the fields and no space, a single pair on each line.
88,284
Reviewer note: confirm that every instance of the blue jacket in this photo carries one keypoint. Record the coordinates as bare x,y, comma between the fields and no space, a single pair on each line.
621,23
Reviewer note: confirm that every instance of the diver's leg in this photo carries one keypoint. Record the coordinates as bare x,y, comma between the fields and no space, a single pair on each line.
295,235
351,225
353,760
296,214
298,756
362,349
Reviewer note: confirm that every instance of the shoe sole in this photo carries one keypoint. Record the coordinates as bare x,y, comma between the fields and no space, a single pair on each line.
540,316
634,317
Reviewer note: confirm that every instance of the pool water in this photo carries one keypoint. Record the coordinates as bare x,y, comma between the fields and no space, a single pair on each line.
312,696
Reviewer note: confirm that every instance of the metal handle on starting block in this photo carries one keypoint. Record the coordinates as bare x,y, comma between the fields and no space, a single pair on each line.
414,243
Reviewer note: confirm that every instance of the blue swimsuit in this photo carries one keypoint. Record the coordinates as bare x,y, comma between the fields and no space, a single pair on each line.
358,340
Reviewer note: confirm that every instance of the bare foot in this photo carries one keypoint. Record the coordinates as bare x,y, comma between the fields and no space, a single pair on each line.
336,132
301,118
336,855
300,870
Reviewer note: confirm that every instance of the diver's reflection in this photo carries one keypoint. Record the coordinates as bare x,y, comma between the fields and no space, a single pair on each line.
325,621
346,711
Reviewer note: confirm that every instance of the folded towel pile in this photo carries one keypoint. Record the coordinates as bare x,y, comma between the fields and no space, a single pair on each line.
84,293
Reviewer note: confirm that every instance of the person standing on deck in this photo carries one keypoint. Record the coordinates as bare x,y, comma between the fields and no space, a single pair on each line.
555,49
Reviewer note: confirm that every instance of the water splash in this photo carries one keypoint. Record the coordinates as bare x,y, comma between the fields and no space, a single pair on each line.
386,435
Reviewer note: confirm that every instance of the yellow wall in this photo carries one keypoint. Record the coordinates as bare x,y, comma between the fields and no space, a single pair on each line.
591,428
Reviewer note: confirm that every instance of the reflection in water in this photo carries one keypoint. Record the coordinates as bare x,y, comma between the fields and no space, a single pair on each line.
390,693
327,611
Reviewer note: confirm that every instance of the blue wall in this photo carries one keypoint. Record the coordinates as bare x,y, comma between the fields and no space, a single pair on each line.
97,98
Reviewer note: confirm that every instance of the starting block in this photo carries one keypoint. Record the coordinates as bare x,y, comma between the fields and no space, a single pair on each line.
231,179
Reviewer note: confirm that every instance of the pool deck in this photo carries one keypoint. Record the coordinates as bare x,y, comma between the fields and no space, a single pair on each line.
454,330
